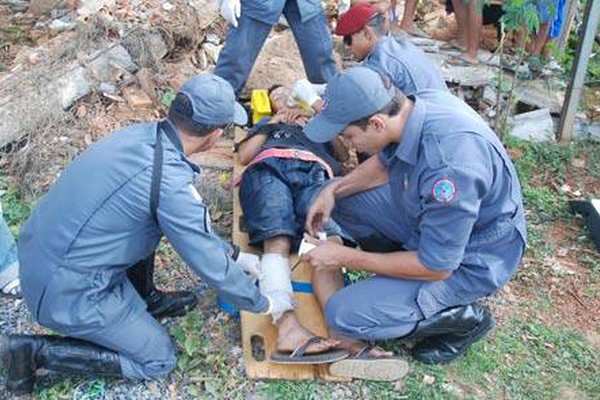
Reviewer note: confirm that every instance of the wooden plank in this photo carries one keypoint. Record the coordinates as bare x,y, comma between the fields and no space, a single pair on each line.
258,328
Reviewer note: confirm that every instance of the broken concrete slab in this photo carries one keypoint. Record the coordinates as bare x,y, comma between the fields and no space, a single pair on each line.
537,126
538,94
473,76
31,98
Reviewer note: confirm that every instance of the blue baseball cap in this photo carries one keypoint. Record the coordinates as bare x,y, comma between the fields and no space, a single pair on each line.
209,100
351,95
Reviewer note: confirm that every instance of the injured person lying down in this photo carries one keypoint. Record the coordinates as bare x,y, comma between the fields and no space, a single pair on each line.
284,172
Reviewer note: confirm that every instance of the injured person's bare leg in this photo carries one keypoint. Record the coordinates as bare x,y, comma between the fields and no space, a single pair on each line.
277,278
326,282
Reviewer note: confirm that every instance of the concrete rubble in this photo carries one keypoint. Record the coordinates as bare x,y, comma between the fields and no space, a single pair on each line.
125,68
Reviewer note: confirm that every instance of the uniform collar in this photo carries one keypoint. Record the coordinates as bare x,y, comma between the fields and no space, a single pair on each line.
172,134
411,135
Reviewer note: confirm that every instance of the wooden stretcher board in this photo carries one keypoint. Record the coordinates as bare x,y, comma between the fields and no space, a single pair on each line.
259,328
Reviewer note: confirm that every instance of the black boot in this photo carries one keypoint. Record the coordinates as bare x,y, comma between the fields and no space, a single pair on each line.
160,304
23,355
448,334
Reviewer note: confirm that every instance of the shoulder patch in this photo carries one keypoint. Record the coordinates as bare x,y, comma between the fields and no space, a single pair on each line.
443,190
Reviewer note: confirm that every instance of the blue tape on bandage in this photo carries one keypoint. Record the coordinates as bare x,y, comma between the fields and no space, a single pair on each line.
302,287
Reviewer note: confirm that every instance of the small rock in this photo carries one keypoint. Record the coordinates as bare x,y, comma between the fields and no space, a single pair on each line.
34,58
107,88
167,6
137,99
489,95
89,7
428,379
58,25
212,51
212,38
399,386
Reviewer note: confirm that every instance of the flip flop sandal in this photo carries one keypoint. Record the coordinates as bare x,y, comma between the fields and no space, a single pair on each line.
12,288
451,45
461,61
418,33
299,355
364,366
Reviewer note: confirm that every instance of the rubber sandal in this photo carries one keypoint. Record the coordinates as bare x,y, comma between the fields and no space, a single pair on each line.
364,366
416,32
461,61
451,45
299,355
12,288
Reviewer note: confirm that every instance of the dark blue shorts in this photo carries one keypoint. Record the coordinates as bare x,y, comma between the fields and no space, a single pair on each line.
275,195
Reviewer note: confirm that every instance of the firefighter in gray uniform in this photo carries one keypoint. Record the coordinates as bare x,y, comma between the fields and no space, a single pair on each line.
86,252
438,212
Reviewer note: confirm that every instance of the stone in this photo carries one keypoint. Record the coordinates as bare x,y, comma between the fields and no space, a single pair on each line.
536,126
212,38
107,88
489,96
43,7
146,47
137,98
107,65
586,129
212,51
58,25
473,76
90,7
207,12
16,6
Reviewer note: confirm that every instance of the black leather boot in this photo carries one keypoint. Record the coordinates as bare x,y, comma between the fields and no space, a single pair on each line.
23,355
447,335
160,304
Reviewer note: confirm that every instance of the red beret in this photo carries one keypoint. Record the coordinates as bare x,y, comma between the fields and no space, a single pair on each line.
355,19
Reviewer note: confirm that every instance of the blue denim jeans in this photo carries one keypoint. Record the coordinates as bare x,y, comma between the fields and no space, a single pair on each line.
275,195
9,265
245,42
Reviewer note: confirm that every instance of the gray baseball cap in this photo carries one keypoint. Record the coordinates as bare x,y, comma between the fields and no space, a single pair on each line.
212,101
351,95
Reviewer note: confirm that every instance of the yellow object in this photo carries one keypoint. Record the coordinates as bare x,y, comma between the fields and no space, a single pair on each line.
261,106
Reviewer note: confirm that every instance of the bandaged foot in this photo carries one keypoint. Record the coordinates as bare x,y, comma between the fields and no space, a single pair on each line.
275,283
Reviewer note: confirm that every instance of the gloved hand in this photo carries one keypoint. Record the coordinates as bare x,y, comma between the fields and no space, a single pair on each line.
279,303
231,10
319,88
249,263
305,91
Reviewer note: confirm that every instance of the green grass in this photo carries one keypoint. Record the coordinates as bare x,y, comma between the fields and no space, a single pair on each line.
14,209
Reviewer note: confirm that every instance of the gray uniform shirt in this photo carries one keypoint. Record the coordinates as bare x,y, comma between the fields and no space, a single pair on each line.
406,64
458,198
95,222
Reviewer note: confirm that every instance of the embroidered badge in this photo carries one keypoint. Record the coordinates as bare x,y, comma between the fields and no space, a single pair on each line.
444,190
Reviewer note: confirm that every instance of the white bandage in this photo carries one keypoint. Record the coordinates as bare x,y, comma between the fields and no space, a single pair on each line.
276,283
